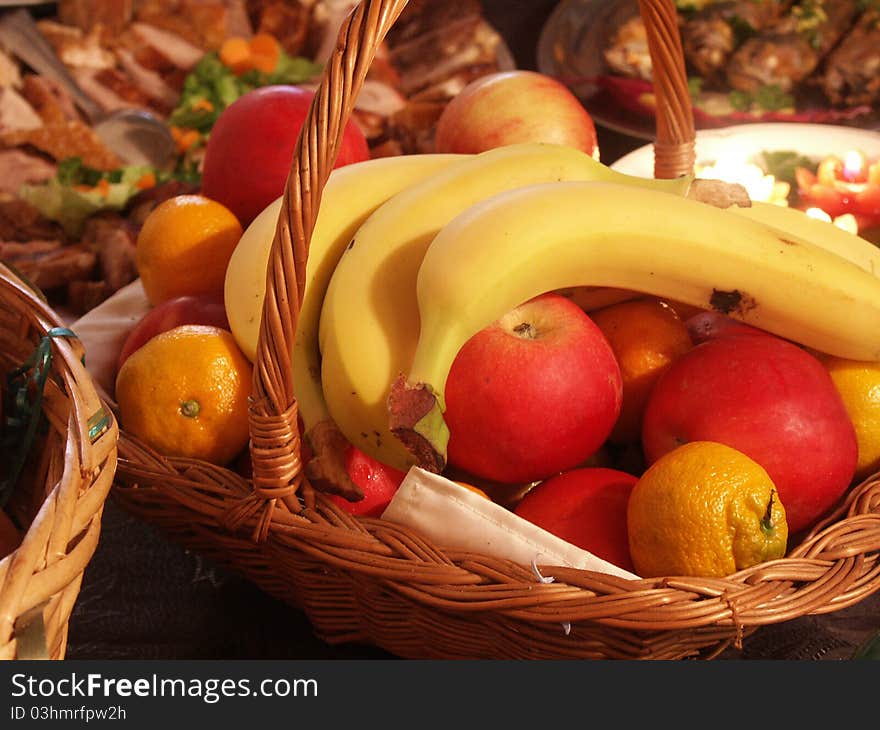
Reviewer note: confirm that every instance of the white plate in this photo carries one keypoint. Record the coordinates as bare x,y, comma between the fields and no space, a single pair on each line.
815,141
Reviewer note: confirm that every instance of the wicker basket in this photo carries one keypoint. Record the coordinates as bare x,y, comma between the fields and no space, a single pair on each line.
70,463
368,581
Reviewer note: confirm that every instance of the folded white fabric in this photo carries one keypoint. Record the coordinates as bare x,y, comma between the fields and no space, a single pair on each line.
454,517
103,330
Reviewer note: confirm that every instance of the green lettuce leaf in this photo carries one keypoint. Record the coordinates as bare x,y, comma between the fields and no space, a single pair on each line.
63,199
71,207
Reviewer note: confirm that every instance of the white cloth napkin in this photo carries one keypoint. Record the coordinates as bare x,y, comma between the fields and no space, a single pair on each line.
103,330
454,517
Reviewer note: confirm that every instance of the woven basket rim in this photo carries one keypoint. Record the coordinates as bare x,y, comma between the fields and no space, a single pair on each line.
40,579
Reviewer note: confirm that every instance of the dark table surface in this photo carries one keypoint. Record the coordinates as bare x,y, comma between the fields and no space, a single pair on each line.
144,597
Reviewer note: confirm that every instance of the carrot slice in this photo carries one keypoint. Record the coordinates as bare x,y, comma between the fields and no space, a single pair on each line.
265,51
235,54
184,137
147,180
202,105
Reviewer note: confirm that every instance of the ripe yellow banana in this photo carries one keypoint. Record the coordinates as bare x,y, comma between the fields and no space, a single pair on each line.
351,193
518,244
854,248
369,320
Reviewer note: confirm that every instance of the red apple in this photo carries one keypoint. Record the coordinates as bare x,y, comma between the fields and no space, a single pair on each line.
533,394
206,309
771,400
378,482
510,107
708,325
586,507
250,150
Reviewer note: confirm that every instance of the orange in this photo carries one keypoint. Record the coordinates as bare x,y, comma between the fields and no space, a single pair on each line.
184,247
684,310
475,490
185,393
859,386
646,336
704,509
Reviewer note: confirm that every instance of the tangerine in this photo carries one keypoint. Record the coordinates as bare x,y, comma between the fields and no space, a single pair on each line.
646,336
184,247
185,393
472,488
859,386
704,509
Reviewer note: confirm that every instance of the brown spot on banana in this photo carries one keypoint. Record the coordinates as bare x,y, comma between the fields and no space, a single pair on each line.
731,302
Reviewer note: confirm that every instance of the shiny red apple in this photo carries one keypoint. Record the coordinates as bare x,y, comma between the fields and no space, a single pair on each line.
379,483
533,394
768,398
250,150
206,309
510,107
586,507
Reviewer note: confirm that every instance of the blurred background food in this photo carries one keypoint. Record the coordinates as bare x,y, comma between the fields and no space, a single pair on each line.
70,209
772,56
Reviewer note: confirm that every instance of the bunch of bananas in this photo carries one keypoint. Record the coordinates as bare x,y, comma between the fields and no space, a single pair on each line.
412,255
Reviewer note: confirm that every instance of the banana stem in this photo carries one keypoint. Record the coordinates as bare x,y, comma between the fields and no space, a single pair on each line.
416,418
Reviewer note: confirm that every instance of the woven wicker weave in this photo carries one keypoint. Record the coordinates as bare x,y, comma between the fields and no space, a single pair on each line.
369,581
60,495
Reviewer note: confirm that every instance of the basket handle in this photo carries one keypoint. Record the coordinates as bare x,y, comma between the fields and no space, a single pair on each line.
674,144
275,441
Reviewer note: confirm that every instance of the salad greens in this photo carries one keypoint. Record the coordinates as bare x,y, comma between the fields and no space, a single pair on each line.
767,98
78,191
212,86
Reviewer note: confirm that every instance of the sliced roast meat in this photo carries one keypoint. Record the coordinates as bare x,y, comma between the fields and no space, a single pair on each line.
712,34
76,48
10,73
789,51
19,167
149,83
113,15
852,70
113,240
176,49
437,55
326,19
49,99
16,251
15,112
21,221
65,139
57,267
286,20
